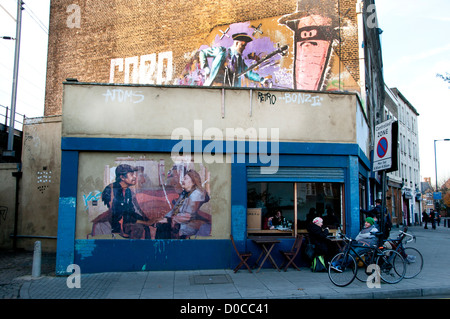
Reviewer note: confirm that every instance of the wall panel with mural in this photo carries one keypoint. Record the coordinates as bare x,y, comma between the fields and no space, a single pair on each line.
151,196
294,44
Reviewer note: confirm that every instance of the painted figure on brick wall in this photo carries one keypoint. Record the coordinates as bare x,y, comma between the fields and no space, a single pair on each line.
314,32
186,219
228,65
312,48
240,56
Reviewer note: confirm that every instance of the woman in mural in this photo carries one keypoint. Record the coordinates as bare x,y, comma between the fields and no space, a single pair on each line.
185,218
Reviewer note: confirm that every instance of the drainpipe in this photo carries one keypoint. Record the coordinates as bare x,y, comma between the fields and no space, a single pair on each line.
17,175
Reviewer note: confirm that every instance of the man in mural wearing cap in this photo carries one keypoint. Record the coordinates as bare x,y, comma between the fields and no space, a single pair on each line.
127,219
228,64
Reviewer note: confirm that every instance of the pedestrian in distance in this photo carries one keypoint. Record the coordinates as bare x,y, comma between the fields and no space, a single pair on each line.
433,219
425,219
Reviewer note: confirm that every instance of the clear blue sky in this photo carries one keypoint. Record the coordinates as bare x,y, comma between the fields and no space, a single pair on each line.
415,47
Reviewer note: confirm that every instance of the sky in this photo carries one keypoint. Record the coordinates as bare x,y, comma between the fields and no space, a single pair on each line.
415,48
33,57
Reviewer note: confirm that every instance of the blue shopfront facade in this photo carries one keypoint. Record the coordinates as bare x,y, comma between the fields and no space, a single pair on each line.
342,163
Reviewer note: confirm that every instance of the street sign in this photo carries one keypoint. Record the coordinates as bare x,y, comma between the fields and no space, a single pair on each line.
437,195
385,146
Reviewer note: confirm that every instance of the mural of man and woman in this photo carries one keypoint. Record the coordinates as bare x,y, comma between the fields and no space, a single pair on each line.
146,214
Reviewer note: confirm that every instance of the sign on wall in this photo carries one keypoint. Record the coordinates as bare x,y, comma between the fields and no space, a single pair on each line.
385,146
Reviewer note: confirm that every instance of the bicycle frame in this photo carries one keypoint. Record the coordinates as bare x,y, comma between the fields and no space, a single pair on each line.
375,252
398,243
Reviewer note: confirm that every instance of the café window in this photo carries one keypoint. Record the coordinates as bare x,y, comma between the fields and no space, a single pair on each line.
298,203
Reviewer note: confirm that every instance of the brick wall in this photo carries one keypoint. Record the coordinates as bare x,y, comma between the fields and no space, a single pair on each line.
127,28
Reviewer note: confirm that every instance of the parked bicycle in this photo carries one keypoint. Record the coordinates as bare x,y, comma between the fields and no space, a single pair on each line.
413,257
343,268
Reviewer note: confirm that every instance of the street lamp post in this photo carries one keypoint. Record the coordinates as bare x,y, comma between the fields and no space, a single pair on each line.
10,150
435,160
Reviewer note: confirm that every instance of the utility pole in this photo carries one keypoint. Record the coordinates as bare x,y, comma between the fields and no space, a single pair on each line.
12,119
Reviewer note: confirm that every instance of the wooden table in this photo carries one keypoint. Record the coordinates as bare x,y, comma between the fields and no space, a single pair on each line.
266,244
269,232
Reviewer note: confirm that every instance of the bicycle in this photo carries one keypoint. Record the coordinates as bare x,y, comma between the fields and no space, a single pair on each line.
387,263
412,256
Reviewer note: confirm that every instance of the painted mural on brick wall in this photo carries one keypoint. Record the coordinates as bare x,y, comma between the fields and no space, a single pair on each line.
296,51
314,48
144,200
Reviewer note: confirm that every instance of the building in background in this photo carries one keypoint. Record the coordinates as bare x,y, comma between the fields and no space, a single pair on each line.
404,195
427,195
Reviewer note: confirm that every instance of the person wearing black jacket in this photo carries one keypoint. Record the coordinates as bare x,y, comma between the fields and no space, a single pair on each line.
318,237
127,219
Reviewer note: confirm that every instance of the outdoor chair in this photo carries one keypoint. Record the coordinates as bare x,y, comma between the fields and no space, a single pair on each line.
242,256
290,255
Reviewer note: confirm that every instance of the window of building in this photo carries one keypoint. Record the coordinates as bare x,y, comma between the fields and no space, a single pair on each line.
299,203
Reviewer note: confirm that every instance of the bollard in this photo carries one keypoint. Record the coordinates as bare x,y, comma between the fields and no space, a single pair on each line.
36,271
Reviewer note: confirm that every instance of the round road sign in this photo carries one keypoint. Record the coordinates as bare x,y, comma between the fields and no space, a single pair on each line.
382,147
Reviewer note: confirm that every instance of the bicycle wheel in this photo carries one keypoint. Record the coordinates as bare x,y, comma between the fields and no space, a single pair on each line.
362,274
414,262
392,266
342,270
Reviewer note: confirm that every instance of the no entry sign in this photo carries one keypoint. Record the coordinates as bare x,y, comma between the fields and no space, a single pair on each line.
385,148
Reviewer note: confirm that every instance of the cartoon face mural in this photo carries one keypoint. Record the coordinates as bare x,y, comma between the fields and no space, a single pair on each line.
143,201
313,35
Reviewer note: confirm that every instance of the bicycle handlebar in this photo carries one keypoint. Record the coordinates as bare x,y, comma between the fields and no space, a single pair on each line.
409,235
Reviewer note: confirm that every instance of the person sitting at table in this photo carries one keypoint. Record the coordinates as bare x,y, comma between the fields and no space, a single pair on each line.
268,221
318,237
366,236
278,219
365,239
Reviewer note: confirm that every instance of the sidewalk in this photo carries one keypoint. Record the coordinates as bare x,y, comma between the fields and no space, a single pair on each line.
267,284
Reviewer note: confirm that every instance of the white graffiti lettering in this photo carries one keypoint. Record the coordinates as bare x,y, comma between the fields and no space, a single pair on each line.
144,69
123,96
302,98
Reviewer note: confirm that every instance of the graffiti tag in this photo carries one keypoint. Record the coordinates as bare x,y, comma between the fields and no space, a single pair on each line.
144,69
123,96
302,98
264,97
91,197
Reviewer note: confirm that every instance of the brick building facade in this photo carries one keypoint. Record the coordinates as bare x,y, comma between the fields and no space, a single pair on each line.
86,38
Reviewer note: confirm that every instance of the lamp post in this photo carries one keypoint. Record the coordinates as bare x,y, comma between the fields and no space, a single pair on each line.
10,150
435,160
